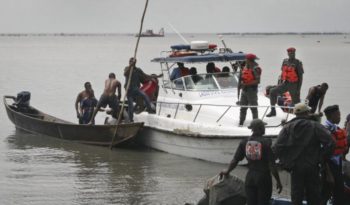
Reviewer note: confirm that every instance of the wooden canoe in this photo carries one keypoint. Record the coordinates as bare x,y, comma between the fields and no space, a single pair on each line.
33,120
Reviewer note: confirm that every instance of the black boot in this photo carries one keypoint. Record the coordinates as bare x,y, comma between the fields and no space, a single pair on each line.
272,112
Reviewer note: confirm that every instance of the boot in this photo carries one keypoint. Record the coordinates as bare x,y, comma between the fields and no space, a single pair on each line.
272,112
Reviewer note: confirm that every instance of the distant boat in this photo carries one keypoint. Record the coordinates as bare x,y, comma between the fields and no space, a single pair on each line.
150,33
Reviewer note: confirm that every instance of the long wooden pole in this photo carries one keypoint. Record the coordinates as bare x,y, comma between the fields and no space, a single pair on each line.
129,77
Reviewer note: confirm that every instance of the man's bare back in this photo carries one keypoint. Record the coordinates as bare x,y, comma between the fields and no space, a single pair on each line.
110,86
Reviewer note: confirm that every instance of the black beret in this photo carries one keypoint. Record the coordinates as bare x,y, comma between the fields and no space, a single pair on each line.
330,109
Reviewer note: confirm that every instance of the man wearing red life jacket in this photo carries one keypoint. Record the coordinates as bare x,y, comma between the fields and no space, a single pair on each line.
335,162
250,78
292,79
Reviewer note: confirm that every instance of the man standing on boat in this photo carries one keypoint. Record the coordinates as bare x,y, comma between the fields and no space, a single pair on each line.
300,146
316,96
261,163
109,97
292,79
82,95
134,90
179,72
249,78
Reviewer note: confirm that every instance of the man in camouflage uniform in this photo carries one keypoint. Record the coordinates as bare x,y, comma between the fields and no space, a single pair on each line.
291,80
249,80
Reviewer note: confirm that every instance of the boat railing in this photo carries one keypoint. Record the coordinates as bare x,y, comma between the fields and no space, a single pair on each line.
189,106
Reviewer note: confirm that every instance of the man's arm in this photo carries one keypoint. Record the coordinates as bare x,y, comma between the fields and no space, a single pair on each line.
279,145
239,155
325,138
310,93
119,87
320,104
273,169
300,71
77,101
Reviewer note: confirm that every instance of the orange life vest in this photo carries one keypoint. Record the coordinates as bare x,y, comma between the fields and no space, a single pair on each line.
247,75
289,74
341,141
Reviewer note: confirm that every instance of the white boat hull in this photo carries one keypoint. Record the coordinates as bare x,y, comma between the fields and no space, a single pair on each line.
220,150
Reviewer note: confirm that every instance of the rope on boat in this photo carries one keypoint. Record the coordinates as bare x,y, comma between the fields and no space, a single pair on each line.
129,77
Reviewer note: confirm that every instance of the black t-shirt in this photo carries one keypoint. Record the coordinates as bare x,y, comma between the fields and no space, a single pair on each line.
257,151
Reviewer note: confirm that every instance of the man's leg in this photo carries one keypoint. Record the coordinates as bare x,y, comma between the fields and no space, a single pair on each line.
130,105
147,101
243,111
253,100
312,186
338,190
297,185
278,90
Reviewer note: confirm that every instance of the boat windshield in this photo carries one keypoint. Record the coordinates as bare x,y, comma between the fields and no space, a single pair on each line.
207,81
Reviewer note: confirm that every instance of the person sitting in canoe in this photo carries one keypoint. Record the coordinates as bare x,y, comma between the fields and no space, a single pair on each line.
82,95
109,97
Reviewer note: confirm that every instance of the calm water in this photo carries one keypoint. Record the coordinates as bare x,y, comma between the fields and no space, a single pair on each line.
41,170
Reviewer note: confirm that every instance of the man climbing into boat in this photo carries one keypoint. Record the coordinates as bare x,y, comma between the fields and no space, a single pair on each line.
134,90
261,164
292,79
179,72
109,97
316,96
83,95
250,79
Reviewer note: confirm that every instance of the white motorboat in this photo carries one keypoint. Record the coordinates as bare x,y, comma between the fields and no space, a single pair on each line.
200,119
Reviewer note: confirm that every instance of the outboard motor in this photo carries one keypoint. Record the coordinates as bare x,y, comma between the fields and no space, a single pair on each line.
22,100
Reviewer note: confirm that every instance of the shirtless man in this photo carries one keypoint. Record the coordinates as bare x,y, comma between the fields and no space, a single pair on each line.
109,97
82,95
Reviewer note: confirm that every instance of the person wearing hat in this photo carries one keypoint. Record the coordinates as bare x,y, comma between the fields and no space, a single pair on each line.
335,161
261,164
249,80
299,146
179,72
291,80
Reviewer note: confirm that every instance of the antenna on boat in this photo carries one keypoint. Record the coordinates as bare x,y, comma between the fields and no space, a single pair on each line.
178,33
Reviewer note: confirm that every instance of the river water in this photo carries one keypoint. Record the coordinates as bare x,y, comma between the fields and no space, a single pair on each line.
41,170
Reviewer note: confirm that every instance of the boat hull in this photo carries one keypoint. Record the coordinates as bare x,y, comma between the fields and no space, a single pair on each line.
41,123
214,149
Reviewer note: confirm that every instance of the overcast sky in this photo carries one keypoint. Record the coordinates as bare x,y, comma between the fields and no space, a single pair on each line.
194,16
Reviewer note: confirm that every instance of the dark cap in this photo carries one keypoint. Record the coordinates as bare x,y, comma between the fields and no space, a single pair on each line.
291,49
330,109
251,56
256,123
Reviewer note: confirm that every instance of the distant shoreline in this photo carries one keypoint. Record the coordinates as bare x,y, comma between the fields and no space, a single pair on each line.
132,34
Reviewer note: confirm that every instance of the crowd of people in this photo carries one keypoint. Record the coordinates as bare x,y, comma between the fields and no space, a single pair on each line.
312,153
142,88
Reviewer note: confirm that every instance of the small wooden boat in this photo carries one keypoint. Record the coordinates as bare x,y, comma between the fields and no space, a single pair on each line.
32,120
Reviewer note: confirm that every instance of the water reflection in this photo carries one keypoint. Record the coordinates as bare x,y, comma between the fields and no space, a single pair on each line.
64,172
